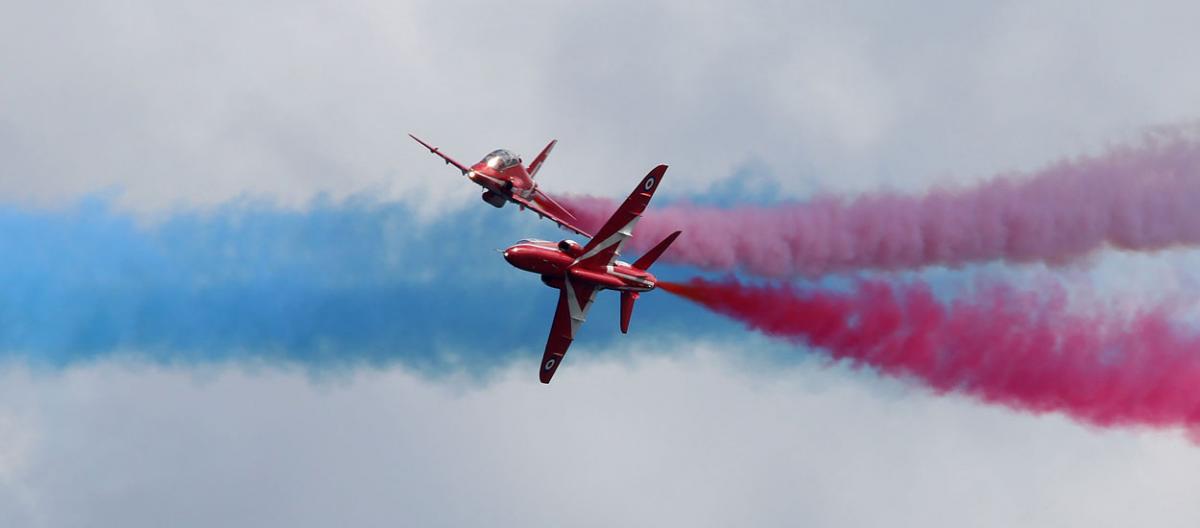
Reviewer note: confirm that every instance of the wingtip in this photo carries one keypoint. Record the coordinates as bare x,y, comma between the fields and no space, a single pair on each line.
421,141
652,179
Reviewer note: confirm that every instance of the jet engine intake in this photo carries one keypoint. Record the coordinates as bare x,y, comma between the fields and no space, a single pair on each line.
493,199
570,247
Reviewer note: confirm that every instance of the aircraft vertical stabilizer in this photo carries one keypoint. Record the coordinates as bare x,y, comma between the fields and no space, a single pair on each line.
648,259
541,158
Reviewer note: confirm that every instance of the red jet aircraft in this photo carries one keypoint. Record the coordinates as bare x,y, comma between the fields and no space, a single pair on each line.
505,179
580,271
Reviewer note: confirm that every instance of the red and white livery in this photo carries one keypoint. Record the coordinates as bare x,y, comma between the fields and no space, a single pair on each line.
505,179
580,271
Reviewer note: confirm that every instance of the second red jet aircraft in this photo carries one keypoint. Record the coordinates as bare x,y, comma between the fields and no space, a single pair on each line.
505,179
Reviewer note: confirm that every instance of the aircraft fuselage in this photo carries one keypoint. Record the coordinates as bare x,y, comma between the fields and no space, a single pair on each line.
552,262
511,180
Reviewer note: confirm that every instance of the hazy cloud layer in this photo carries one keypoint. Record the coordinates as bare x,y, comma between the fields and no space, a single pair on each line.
198,103
698,440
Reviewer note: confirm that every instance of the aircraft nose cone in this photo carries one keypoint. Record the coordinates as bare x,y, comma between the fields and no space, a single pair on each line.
520,257
510,254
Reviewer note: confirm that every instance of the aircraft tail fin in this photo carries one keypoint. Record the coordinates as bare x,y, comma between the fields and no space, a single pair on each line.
627,298
648,259
541,158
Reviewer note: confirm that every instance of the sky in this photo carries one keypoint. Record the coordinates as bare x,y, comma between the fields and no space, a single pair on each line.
235,293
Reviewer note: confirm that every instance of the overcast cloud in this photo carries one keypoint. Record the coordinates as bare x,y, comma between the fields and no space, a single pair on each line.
699,439
189,103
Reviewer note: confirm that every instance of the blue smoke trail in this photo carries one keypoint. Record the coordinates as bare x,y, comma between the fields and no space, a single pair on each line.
357,282
246,279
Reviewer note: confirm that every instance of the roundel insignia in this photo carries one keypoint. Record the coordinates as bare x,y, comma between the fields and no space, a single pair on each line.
649,183
549,364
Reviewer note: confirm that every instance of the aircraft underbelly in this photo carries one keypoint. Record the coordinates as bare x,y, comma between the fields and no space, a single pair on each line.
601,279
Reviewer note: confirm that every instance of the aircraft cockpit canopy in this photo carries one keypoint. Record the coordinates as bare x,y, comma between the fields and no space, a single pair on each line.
501,159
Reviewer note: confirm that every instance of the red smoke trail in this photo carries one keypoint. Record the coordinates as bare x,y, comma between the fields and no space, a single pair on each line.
1022,350
1143,197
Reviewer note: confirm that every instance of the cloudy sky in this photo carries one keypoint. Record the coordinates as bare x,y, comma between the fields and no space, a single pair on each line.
235,293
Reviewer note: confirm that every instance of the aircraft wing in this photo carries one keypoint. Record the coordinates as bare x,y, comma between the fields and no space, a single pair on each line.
448,159
545,206
606,245
573,304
